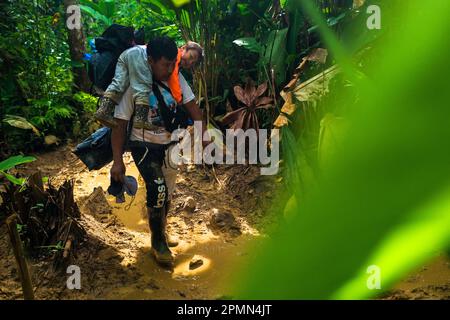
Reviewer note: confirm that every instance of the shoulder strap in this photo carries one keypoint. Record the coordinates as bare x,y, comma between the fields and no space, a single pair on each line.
168,90
162,107
163,86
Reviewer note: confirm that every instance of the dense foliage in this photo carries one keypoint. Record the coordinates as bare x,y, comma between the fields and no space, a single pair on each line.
243,40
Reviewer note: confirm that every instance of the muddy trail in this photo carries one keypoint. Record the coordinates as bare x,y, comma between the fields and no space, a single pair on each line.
219,217
215,215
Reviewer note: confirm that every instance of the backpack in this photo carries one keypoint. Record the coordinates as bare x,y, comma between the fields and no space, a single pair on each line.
96,151
109,46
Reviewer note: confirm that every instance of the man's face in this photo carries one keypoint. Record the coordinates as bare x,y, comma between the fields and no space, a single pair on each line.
189,58
162,69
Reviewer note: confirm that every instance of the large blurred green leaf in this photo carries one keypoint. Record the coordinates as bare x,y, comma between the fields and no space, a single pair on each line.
384,199
406,247
331,133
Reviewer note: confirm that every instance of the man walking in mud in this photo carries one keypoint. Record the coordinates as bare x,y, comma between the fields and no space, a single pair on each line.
149,146
132,71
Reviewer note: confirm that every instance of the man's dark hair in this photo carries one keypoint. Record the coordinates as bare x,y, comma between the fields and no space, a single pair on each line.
162,47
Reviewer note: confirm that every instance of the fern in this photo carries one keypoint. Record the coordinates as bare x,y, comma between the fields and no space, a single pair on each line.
60,112
49,116
89,102
39,121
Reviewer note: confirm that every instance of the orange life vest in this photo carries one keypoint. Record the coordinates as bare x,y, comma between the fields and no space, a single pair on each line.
174,80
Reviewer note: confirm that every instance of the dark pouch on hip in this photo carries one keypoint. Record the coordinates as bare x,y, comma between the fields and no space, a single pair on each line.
96,151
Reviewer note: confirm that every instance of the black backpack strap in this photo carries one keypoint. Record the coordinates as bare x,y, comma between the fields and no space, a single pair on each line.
167,88
162,106
172,119
163,86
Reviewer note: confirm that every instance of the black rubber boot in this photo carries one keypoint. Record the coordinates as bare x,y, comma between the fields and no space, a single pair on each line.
160,249
171,241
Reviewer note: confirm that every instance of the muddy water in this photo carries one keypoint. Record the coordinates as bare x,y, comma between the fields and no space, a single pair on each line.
431,281
220,255
132,214
210,281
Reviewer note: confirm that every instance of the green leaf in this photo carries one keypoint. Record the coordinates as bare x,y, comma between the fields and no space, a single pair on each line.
15,161
275,53
249,43
21,123
38,206
426,231
96,15
155,6
164,5
385,198
107,8
243,9
179,3
90,4
332,130
17,181
295,26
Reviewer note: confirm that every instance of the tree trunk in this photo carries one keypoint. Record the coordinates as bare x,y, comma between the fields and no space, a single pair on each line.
77,48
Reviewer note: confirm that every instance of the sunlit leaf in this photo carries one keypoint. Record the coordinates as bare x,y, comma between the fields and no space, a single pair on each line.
15,161
249,44
179,3
17,181
21,123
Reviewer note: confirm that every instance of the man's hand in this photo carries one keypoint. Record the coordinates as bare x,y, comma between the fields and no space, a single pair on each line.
118,171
